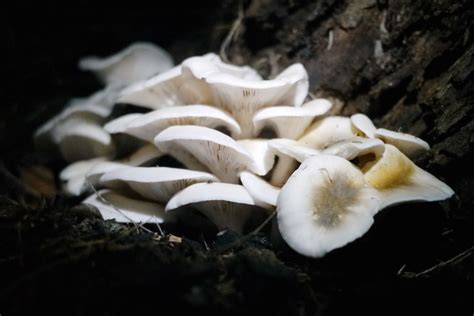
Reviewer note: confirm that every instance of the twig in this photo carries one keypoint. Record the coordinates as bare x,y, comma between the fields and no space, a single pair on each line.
458,258
232,32
246,237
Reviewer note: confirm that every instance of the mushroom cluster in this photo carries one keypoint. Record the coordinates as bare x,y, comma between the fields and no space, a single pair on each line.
240,148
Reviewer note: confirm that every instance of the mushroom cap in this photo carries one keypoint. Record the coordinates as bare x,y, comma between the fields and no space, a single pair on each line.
399,180
228,206
289,121
155,183
263,193
136,62
119,125
123,209
163,90
143,156
324,205
221,154
355,147
242,97
410,145
178,86
74,176
364,124
202,66
45,136
151,124
262,155
293,149
80,139
327,131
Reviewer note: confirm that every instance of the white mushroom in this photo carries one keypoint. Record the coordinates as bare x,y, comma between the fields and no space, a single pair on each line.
289,153
136,62
79,139
263,193
178,87
119,125
399,180
222,155
228,206
356,147
262,155
155,183
327,131
113,205
151,124
289,121
410,145
45,135
73,176
78,177
243,97
324,205
364,124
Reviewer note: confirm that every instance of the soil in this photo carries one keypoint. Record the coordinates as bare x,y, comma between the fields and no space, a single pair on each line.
409,65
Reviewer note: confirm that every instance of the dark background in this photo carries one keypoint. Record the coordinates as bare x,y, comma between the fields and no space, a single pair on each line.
51,252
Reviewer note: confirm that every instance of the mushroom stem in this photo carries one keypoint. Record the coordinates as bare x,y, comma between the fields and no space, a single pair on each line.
282,170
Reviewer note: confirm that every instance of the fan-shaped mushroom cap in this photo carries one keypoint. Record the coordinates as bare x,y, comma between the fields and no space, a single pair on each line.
289,121
113,205
293,149
228,206
262,155
289,153
398,179
217,151
355,147
179,87
324,205
410,145
119,125
154,183
136,62
242,97
263,193
327,131
164,90
79,176
364,124
74,176
79,139
153,123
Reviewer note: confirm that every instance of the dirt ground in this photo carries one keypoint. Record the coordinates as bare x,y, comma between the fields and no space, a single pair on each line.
407,65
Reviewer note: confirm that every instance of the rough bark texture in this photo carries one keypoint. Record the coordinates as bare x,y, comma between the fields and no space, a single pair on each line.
407,64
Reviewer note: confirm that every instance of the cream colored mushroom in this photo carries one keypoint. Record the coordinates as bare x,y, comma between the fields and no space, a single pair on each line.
327,131
78,177
410,145
325,205
151,124
179,87
154,183
222,155
289,121
399,180
242,97
136,62
228,206
79,139
263,193
123,209
289,153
